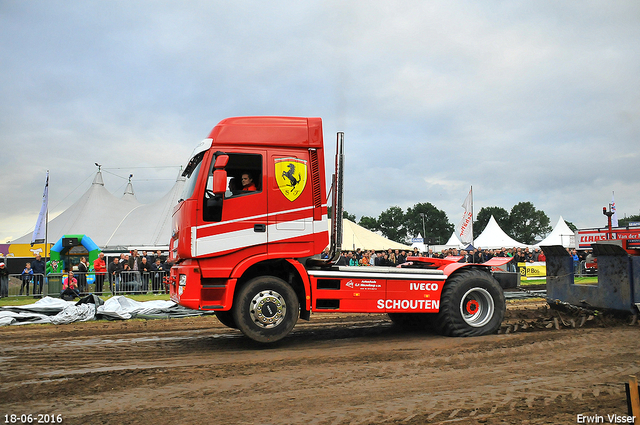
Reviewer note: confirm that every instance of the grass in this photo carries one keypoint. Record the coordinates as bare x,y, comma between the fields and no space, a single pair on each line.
11,301
587,280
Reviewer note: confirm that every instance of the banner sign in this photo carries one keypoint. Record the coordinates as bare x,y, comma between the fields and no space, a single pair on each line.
532,271
584,238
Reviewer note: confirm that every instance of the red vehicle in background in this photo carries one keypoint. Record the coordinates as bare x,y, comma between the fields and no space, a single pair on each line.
253,255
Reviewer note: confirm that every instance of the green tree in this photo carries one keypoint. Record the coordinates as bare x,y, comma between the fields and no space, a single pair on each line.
500,214
624,222
527,223
345,214
571,226
369,223
436,223
391,224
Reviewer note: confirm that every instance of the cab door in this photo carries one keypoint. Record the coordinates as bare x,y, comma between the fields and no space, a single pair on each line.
235,225
291,205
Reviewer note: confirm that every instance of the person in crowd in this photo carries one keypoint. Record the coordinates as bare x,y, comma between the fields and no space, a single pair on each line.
27,277
157,276
134,267
392,259
468,257
576,259
83,268
402,257
247,183
100,268
325,254
4,281
145,269
38,268
542,257
114,270
160,256
69,287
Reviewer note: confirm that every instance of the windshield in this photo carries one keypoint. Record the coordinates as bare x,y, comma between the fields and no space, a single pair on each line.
191,173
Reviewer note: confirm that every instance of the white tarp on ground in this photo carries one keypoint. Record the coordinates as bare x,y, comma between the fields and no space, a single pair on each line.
58,311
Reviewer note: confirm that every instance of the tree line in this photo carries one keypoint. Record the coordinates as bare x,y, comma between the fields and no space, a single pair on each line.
523,223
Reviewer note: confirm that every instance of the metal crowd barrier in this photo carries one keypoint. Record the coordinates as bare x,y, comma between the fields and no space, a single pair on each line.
27,285
135,282
126,282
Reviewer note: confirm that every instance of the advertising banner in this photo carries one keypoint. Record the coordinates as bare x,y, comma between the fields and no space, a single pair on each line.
532,271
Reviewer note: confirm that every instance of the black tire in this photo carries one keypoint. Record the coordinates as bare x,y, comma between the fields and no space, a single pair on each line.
226,318
266,309
411,321
472,304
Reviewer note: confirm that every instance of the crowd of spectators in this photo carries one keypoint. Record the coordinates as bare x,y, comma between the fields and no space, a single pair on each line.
396,257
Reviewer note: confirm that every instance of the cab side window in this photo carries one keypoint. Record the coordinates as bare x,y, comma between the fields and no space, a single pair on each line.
244,178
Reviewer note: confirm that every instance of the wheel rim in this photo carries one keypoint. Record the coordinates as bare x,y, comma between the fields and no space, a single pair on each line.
268,309
477,307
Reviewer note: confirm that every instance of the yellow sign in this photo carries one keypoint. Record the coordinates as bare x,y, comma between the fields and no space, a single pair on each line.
291,175
537,270
26,250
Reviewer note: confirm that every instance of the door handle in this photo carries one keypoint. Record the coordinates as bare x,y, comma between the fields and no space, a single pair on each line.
259,228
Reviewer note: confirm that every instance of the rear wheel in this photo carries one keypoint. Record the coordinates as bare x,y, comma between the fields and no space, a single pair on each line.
266,309
472,304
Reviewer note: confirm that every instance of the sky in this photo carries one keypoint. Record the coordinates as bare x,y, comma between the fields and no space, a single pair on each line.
525,101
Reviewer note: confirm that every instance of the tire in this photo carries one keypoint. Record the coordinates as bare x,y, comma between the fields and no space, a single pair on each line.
226,318
277,313
472,304
411,321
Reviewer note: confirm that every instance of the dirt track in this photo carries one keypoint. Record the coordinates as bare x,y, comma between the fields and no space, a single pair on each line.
336,369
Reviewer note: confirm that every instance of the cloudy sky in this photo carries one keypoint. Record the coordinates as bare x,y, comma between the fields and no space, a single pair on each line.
523,100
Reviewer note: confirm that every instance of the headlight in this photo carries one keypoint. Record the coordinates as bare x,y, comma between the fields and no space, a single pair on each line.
183,280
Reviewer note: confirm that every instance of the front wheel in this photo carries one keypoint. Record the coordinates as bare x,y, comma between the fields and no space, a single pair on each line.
226,318
266,309
472,304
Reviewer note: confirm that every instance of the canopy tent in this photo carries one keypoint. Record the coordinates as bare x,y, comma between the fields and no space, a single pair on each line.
354,237
493,237
560,235
148,225
97,213
113,222
453,242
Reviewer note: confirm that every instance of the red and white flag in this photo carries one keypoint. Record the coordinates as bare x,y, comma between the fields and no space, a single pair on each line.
465,228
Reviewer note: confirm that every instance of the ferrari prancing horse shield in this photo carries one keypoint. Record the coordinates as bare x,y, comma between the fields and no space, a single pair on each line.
291,175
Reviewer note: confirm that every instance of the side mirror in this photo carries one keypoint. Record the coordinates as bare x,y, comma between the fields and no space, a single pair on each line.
219,182
221,161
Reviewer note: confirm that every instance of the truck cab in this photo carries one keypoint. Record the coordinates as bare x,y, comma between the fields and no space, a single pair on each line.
230,232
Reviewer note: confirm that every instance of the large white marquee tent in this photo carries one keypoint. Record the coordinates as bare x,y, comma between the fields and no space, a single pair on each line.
116,223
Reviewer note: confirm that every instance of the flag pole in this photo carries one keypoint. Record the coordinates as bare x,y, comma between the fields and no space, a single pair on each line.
473,242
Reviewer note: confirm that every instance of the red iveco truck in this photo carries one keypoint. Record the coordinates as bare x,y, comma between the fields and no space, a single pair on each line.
252,222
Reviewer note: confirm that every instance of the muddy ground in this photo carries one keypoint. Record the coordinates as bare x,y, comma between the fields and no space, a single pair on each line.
336,369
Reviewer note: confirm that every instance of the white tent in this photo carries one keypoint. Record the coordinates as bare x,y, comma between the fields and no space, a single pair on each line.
453,242
95,214
113,222
560,235
354,237
493,237
148,225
